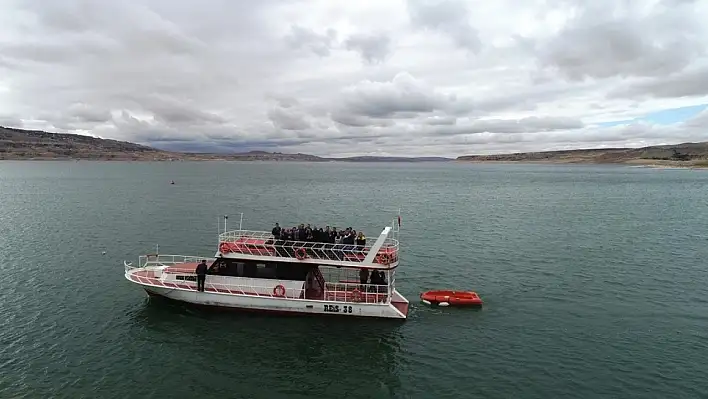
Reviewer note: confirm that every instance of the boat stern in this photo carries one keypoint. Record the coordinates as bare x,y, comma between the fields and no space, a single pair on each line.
400,303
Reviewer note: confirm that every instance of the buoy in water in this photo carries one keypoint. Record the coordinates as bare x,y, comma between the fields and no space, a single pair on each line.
451,298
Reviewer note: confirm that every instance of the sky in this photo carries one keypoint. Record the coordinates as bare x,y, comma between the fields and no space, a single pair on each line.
347,78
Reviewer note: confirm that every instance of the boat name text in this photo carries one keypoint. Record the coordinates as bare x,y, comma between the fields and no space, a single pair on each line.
338,309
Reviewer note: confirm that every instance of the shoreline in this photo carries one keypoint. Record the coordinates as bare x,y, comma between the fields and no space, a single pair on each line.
214,160
652,164
638,163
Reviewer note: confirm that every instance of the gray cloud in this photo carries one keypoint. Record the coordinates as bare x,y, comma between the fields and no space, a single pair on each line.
682,84
619,39
440,120
450,17
373,48
288,118
420,77
501,126
318,43
402,95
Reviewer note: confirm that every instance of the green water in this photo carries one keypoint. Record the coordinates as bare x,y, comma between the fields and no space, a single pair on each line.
594,282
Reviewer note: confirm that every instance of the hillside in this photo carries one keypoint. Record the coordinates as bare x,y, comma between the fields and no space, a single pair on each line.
19,144
35,144
392,159
686,154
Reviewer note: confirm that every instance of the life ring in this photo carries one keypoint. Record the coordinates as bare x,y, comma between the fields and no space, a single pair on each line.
279,291
224,248
300,253
385,258
356,295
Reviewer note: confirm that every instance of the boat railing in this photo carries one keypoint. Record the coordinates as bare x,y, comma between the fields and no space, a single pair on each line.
188,281
342,291
352,291
156,260
261,290
260,243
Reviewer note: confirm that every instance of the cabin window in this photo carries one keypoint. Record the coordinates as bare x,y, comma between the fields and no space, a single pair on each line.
250,270
270,270
265,270
239,269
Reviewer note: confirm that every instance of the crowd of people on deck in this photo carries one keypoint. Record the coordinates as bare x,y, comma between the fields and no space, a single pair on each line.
331,235
377,277
305,233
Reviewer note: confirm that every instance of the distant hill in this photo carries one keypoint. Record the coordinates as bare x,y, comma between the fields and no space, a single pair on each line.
36,144
686,154
392,159
20,144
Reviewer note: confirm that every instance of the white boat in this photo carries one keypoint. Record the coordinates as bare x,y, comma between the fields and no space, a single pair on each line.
252,270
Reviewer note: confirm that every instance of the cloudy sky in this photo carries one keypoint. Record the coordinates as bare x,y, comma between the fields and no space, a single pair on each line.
338,78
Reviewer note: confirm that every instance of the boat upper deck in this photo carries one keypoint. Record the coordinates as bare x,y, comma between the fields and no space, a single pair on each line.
383,252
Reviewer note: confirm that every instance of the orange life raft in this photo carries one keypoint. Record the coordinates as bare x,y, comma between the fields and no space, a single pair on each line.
451,298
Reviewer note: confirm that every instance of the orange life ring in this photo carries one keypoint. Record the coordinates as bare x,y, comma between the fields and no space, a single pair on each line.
385,258
279,291
356,295
300,253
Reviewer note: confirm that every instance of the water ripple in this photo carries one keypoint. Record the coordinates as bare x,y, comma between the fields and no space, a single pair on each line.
592,278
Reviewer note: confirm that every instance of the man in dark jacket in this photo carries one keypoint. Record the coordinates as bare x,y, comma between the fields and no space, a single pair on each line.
201,275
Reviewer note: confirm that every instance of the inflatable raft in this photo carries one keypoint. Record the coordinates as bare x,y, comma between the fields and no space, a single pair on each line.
451,298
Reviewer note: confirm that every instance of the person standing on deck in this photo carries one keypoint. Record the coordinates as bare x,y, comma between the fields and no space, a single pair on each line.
361,241
363,279
201,275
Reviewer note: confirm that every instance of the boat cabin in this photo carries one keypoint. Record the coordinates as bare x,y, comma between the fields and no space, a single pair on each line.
300,280
259,269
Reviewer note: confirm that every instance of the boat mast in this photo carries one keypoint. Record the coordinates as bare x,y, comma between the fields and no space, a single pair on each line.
374,250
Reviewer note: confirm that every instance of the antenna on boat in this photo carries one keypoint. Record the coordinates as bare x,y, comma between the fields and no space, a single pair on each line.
240,223
157,249
226,217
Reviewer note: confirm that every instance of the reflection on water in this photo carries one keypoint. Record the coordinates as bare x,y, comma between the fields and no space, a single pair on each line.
319,352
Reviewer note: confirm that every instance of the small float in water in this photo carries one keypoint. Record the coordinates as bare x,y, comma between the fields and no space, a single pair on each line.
451,298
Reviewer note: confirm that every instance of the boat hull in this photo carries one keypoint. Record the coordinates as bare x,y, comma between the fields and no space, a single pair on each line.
396,310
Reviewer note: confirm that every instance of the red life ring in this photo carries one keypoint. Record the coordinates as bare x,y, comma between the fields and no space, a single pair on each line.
300,253
224,248
385,258
279,291
356,295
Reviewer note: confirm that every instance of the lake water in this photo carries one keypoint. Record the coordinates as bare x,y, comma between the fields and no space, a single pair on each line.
594,281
